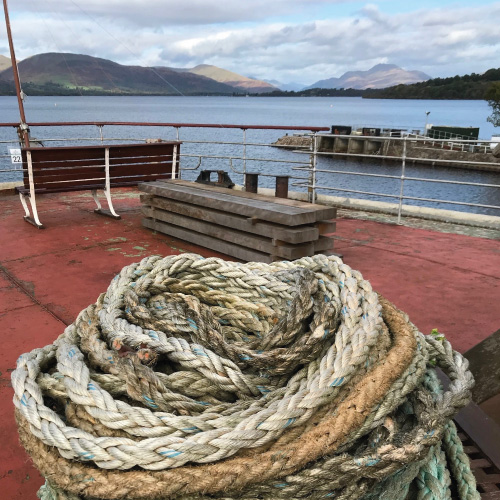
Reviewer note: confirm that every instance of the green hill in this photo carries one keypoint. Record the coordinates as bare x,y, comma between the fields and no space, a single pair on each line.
67,74
473,86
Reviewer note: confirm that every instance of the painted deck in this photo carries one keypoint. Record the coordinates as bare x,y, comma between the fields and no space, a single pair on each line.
442,280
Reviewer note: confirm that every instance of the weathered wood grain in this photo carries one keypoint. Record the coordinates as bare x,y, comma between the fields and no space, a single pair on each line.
231,203
224,233
328,212
297,234
224,247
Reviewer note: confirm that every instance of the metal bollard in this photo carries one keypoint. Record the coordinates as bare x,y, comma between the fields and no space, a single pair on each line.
251,182
282,186
205,176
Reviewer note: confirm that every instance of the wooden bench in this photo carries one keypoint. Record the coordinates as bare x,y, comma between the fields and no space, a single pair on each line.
480,432
250,227
76,168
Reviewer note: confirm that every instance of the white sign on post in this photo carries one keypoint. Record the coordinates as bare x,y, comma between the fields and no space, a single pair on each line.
15,156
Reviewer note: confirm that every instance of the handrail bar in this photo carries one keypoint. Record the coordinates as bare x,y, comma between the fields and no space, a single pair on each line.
451,202
409,137
386,176
408,158
175,125
299,165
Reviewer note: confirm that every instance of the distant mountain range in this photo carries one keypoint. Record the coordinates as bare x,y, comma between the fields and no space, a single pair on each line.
68,74
96,75
378,77
93,74
292,86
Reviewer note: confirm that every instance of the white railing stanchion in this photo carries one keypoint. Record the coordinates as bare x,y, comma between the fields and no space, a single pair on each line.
315,164
174,163
311,183
107,189
177,161
244,151
401,189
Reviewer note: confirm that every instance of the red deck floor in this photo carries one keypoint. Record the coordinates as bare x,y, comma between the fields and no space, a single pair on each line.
445,281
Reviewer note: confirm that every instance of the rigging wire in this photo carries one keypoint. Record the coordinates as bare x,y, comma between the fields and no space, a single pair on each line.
221,125
128,48
105,73
75,82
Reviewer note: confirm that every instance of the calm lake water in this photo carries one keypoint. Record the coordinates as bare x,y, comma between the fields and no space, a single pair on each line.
326,111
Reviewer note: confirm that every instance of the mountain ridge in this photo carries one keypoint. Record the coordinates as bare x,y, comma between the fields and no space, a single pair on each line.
379,76
73,74
4,62
79,71
233,79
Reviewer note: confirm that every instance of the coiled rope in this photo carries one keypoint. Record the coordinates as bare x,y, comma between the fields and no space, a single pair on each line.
194,376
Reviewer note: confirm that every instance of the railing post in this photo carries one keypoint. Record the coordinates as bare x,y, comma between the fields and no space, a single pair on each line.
401,190
311,189
179,171
244,151
100,133
174,164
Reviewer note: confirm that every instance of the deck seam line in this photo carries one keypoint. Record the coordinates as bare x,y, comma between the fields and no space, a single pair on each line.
16,309
420,258
493,237
20,287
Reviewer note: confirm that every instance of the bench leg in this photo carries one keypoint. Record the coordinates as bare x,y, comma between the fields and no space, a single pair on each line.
99,210
32,220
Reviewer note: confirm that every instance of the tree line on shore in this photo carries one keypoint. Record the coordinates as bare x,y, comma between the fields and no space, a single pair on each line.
473,86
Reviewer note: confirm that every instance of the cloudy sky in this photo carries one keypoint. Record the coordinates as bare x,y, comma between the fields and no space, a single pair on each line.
286,40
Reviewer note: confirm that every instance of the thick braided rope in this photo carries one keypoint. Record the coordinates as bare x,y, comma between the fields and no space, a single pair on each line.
459,463
191,360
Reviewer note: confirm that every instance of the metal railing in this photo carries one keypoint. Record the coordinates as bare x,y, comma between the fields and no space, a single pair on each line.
229,146
404,157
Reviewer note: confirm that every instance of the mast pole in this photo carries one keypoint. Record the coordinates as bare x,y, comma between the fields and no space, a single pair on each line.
23,126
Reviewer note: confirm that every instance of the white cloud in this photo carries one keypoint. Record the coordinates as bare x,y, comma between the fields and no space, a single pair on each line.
175,12
247,38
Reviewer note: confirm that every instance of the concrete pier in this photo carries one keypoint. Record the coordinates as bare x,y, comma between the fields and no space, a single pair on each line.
428,153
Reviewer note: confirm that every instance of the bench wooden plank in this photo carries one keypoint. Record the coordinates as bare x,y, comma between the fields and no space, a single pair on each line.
269,211
328,212
70,170
203,240
482,430
40,164
297,234
485,366
48,184
268,245
85,150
